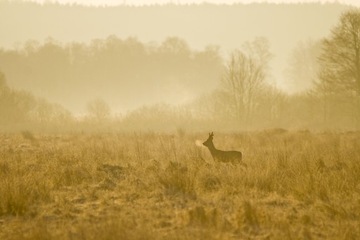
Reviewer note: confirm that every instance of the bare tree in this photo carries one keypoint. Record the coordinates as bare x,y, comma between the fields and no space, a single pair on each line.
339,75
303,66
245,75
340,58
98,110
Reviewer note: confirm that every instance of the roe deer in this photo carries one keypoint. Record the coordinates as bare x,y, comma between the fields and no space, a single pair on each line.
223,156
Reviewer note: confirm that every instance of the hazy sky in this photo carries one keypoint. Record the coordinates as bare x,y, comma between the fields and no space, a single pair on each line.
283,38
148,2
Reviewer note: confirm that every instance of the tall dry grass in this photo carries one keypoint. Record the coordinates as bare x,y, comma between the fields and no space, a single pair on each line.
298,185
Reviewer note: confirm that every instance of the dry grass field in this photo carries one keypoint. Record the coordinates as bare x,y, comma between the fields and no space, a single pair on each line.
297,185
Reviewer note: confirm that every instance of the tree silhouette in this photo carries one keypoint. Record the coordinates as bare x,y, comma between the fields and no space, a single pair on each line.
339,75
245,76
340,58
303,67
98,110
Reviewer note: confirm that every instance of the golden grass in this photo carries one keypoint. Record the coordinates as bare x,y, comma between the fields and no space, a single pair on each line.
298,185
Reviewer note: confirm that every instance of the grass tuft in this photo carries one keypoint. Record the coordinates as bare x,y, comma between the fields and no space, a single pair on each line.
178,179
28,135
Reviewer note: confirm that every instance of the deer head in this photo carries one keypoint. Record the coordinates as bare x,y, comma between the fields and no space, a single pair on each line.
208,142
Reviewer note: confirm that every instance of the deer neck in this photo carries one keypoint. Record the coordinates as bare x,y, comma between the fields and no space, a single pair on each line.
212,148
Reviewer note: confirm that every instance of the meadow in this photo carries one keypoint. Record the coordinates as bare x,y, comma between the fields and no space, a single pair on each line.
297,185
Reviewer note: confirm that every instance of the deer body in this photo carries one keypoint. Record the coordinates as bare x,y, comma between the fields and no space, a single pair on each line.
233,157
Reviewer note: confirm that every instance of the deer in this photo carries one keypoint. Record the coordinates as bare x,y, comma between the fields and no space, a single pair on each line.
234,157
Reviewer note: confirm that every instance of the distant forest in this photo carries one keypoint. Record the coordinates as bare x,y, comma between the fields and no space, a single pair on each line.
126,73
226,27
116,83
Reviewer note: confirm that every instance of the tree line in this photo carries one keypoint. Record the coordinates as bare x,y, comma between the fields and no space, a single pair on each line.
125,72
21,109
243,97
329,68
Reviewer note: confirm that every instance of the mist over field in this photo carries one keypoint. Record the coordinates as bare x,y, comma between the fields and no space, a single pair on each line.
179,121
193,66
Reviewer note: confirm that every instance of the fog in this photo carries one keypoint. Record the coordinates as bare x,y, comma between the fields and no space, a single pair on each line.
227,26
118,62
